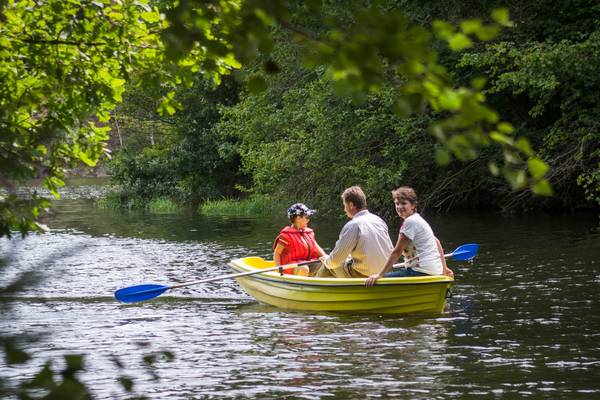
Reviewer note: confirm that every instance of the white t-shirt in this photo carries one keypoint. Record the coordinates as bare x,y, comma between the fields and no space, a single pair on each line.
422,246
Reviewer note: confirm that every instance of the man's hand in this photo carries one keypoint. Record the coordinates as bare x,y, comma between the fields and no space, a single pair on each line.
371,280
449,272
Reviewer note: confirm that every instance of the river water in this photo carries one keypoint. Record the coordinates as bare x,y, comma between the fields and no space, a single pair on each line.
524,320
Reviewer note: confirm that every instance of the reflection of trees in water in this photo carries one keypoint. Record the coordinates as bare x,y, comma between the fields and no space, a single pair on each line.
255,234
81,215
104,264
340,354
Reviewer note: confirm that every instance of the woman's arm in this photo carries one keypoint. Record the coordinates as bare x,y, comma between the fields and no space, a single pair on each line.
447,271
401,245
277,253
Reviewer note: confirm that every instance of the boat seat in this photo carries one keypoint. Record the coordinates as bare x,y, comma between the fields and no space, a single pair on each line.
258,262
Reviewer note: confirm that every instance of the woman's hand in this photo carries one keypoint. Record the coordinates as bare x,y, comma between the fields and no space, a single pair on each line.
448,272
371,280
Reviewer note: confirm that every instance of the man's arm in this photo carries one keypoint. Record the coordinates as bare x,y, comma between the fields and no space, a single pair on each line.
343,247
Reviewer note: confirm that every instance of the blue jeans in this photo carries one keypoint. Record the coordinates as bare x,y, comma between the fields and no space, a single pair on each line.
404,272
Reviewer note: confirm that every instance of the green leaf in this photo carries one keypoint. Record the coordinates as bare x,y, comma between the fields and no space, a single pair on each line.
450,100
516,178
126,382
169,105
487,33
470,26
264,16
543,188
512,157
117,16
493,167
523,145
501,138
414,67
87,159
478,83
75,362
537,168
432,88
4,42
149,359
505,127
501,16
57,181
14,355
43,379
169,356
443,29
231,61
151,16
459,41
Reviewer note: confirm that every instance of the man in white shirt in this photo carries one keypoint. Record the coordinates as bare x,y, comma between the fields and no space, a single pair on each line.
365,239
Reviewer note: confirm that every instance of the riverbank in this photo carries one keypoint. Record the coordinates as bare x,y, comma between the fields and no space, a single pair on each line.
109,196
74,188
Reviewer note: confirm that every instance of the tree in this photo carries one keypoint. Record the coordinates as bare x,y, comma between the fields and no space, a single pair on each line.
185,162
64,66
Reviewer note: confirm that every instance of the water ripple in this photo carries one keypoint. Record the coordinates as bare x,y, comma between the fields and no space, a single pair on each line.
523,321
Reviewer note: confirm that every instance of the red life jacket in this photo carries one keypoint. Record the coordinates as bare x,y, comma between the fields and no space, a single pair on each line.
299,245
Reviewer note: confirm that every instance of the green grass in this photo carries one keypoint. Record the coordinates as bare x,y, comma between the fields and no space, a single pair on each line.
116,200
163,205
110,201
256,205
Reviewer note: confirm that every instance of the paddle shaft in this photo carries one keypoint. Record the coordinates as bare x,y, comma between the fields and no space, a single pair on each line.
236,275
260,271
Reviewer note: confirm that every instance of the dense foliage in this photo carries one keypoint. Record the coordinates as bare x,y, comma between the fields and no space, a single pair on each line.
177,157
63,68
67,65
298,139
543,78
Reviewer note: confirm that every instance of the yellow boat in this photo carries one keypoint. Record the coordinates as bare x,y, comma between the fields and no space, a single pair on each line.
424,294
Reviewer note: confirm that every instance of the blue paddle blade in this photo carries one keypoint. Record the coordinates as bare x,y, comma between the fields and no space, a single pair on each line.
465,252
137,293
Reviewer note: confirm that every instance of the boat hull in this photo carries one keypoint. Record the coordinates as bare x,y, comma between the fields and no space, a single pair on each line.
426,294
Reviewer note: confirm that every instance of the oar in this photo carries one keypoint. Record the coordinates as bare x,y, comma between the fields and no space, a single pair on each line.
464,253
133,294
461,253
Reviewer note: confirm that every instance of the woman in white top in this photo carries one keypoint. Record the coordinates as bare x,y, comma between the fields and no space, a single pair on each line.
422,251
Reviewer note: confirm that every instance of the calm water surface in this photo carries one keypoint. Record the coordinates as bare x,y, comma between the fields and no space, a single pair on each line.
524,320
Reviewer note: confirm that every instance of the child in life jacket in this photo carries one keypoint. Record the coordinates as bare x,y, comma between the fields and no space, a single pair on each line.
296,243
